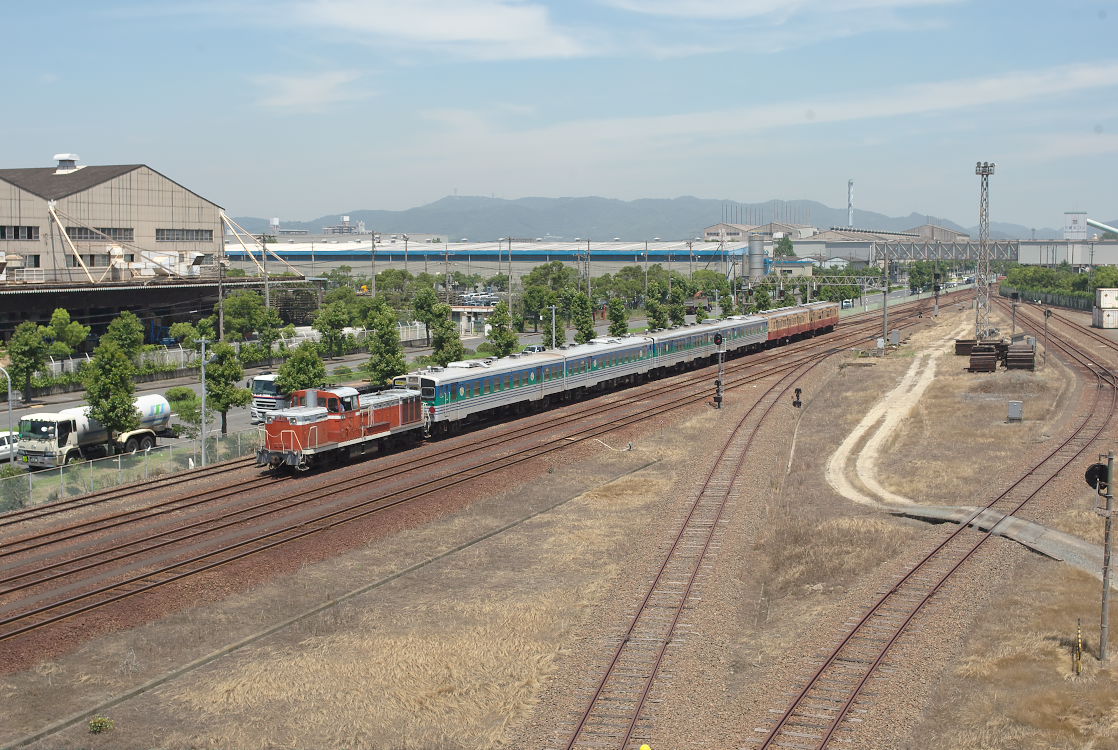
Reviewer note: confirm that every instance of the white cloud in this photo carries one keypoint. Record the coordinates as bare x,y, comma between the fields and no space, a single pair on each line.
614,154
727,10
311,92
480,29
1068,145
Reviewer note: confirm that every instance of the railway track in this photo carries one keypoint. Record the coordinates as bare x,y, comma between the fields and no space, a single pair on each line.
384,469
176,553
821,711
616,715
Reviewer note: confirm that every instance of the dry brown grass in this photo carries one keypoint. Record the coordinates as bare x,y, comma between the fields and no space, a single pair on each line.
964,414
456,663
1014,686
804,551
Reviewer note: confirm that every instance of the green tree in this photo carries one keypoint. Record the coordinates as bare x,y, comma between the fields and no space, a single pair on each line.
446,342
268,328
501,336
110,388
537,301
584,319
329,322
554,276
424,304
618,317
187,406
27,350
783,248
386,355
727,305
657,315
677,311
244,310
65,335
303,369
762,300
128,332
223,373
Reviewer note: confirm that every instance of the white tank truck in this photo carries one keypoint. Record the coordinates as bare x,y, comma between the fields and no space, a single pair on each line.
72,435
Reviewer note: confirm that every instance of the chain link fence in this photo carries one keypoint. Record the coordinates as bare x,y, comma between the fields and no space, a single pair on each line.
47,485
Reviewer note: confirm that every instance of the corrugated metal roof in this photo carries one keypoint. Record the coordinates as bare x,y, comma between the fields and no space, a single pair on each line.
43,182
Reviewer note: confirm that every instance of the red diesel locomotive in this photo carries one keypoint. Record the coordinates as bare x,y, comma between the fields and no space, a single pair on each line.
337,424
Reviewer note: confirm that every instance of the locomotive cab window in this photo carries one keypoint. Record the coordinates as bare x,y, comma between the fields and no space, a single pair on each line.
427,388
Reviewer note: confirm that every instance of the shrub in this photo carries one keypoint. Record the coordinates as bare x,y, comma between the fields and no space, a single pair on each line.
99,724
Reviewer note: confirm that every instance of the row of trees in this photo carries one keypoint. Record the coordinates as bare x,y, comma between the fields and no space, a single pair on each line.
1062,279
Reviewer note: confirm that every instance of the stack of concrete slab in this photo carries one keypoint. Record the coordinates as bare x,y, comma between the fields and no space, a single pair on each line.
1106,309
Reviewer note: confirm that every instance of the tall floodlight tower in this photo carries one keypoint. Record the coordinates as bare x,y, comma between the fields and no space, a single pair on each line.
982,274
850,203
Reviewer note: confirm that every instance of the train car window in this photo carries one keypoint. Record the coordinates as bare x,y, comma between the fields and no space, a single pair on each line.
427,389
477,387
508,381
516,380
333,406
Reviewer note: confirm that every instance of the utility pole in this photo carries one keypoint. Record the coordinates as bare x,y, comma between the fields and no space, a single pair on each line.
554,340
373,261
690,262
264,270
203,342
221,295
646,270
405,253
885,302
446,269
588,270
1101,479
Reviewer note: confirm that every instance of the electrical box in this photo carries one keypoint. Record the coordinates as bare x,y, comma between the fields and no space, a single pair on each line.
1016,411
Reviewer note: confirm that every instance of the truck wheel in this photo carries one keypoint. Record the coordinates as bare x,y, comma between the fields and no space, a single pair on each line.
73,458
147,442
131,445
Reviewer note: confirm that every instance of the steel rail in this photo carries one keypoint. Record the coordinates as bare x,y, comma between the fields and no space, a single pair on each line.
718,468
1088,430
331,517
408,463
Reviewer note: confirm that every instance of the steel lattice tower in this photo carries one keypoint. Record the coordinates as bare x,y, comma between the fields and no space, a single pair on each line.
982,325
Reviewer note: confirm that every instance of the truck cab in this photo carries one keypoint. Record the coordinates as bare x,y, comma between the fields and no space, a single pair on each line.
47,440
52,439
265,397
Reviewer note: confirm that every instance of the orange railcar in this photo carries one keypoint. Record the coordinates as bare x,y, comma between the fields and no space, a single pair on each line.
338,423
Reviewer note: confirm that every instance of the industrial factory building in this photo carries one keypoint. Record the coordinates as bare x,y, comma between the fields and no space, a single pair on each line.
72,223
100,239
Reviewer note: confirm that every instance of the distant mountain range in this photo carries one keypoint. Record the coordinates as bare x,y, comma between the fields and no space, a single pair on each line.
479,218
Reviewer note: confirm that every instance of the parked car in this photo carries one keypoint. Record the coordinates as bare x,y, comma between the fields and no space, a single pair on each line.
847,303
535,348
9,443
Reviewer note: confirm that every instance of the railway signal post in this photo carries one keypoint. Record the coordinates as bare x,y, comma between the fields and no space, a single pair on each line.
721,371
1101,478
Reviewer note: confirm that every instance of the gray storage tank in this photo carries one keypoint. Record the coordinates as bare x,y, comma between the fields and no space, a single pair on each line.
756,257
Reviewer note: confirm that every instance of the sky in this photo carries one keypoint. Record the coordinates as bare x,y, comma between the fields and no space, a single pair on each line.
302,108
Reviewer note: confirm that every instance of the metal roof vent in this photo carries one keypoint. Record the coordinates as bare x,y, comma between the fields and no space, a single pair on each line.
67,163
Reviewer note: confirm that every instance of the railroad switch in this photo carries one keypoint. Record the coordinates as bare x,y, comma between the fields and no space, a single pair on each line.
796,402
